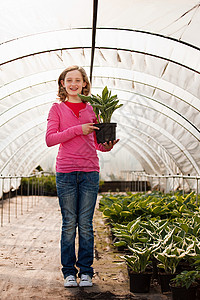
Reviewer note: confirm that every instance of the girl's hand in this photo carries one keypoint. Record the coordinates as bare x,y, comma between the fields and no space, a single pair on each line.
88,128
109,145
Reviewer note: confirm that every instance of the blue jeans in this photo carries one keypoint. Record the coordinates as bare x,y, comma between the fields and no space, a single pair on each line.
77,193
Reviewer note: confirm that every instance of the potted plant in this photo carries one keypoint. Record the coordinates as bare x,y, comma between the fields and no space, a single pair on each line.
168,261
140,267
184,285
139,277
104,105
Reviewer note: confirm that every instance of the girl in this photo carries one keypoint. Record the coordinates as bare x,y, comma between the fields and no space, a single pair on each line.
71,123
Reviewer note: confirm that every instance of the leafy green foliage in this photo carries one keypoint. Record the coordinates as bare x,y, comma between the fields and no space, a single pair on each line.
104,105
154,205
168,226
46,184
185,278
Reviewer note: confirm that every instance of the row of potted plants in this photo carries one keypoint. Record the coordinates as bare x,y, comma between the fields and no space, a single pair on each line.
163,235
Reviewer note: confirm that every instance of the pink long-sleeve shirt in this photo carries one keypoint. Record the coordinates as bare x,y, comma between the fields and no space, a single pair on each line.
77,152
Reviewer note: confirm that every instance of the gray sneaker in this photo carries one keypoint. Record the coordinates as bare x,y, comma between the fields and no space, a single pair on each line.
86,280
70,281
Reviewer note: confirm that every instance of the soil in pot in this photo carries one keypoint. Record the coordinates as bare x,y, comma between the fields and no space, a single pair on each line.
106,132
140,282
164,281
181,293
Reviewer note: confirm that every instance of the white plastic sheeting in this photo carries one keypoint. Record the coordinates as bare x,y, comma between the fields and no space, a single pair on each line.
146,52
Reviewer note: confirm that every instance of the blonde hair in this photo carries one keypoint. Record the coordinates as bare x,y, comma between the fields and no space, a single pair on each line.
62,93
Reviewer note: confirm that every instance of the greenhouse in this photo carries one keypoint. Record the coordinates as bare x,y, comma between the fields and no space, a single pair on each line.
146,52
151,61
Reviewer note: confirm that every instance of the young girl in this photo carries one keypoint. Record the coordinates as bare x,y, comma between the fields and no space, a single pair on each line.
71,123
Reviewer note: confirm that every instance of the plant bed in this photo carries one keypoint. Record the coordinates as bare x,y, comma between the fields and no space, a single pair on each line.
160,230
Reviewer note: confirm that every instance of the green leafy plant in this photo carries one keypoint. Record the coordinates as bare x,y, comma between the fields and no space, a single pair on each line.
185,279
104,105
196,258
47,185
140,232
137,263
140,259
171,256
140,221
158,206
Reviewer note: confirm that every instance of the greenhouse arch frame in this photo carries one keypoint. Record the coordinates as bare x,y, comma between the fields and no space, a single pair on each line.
146,53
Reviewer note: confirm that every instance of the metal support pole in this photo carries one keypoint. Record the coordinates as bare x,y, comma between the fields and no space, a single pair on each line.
135,183
28,188
2,203
32,189
9,201
16,198
21,198
38,188
35,182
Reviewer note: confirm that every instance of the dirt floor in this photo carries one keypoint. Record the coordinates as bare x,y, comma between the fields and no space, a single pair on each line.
30,257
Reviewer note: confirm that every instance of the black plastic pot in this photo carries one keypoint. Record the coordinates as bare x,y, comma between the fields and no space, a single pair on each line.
181,293
164,280
106,133
140,282
198,292
198,288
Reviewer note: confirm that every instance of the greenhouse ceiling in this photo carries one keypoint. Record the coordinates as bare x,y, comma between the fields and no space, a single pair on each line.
146,52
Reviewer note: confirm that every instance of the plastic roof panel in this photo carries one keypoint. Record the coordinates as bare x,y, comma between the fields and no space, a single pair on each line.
146,52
